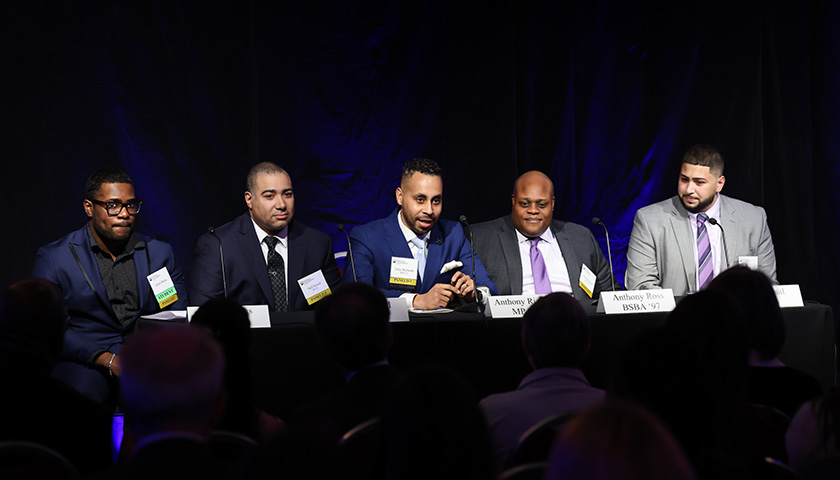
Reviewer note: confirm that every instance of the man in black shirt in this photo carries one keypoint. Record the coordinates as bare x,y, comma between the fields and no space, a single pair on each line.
103,269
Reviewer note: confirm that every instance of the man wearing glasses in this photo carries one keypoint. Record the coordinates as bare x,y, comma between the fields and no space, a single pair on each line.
104,270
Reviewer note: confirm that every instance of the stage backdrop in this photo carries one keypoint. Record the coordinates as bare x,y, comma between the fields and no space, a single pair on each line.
602,96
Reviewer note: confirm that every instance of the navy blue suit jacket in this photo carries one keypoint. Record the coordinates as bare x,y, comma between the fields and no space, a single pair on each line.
245,270
93,325
376,242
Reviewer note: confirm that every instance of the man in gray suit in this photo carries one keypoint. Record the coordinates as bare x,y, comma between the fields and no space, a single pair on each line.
683,242
527,252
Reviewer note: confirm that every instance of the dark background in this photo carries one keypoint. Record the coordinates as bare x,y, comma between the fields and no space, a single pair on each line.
604,96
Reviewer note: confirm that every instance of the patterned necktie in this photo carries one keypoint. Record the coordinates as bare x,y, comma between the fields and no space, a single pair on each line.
705,268
277,275
541,283
420,255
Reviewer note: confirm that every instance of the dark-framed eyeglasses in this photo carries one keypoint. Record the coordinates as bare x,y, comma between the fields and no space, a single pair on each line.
114,208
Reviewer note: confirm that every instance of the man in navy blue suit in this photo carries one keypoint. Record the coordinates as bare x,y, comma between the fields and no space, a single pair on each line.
265,252
102,270
413,241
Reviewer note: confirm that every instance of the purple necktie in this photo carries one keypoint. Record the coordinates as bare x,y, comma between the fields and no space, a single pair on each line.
541,283
705,268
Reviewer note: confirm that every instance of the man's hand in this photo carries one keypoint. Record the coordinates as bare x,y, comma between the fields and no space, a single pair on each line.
464,286
438,296
103,360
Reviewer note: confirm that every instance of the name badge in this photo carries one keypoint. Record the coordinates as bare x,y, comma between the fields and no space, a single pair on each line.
257,315
789,295
510,306
638,301
403,274
162,287
750,261
314,287
399,309
587,280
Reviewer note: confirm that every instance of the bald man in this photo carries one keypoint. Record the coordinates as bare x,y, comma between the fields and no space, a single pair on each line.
528,240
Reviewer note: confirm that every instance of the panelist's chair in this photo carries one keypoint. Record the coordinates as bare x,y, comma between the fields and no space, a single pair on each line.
535,444
359,448
28,460
526,471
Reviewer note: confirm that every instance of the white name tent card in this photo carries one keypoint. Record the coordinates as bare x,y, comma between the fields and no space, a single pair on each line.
399,309
257,314
509,306
789,295
638,301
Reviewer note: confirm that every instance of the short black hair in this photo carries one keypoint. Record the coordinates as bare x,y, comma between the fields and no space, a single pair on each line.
104,175
352,325
555,330
264,168
420,165
705,156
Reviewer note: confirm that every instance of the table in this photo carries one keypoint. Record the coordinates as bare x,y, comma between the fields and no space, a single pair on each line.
290,369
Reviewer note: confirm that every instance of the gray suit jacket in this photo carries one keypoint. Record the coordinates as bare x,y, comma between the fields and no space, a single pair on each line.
661,250
496,246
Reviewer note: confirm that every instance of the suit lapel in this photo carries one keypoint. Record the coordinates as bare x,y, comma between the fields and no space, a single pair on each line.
250,247
434,258
297,259
81,245
729,221
510,249
570,257
684,242
141,266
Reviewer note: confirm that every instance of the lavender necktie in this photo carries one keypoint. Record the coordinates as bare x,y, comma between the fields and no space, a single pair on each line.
705,268
541,283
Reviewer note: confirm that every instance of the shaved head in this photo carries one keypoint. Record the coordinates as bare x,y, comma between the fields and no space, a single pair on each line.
532,203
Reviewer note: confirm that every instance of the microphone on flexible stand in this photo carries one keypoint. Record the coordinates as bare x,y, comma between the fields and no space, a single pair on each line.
476,306
212,231
598,221
349,251
714,221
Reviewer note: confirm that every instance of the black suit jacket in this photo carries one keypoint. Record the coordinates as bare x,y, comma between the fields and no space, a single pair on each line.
496,246
245,269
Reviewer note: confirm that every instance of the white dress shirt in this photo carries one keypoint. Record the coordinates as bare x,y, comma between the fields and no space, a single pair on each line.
558,274
714,238
282,247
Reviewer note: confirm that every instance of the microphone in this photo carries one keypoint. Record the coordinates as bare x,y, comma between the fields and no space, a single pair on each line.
212,231
349,251
479,306
714,221
598,221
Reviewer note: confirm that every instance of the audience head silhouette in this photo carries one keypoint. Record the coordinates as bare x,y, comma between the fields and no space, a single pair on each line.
171,382
33,318
617,440
353,326
754,294
555,332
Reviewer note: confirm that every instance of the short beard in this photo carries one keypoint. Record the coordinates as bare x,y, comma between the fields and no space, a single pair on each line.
701,206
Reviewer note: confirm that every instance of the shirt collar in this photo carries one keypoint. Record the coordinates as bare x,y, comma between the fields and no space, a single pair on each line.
713,212
407,233
261,234
547,236
133,243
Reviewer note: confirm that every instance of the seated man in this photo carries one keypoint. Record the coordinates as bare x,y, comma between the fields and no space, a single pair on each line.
265,252
682,243
172,396
102,270
529,253
405,252
555,337
353,327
